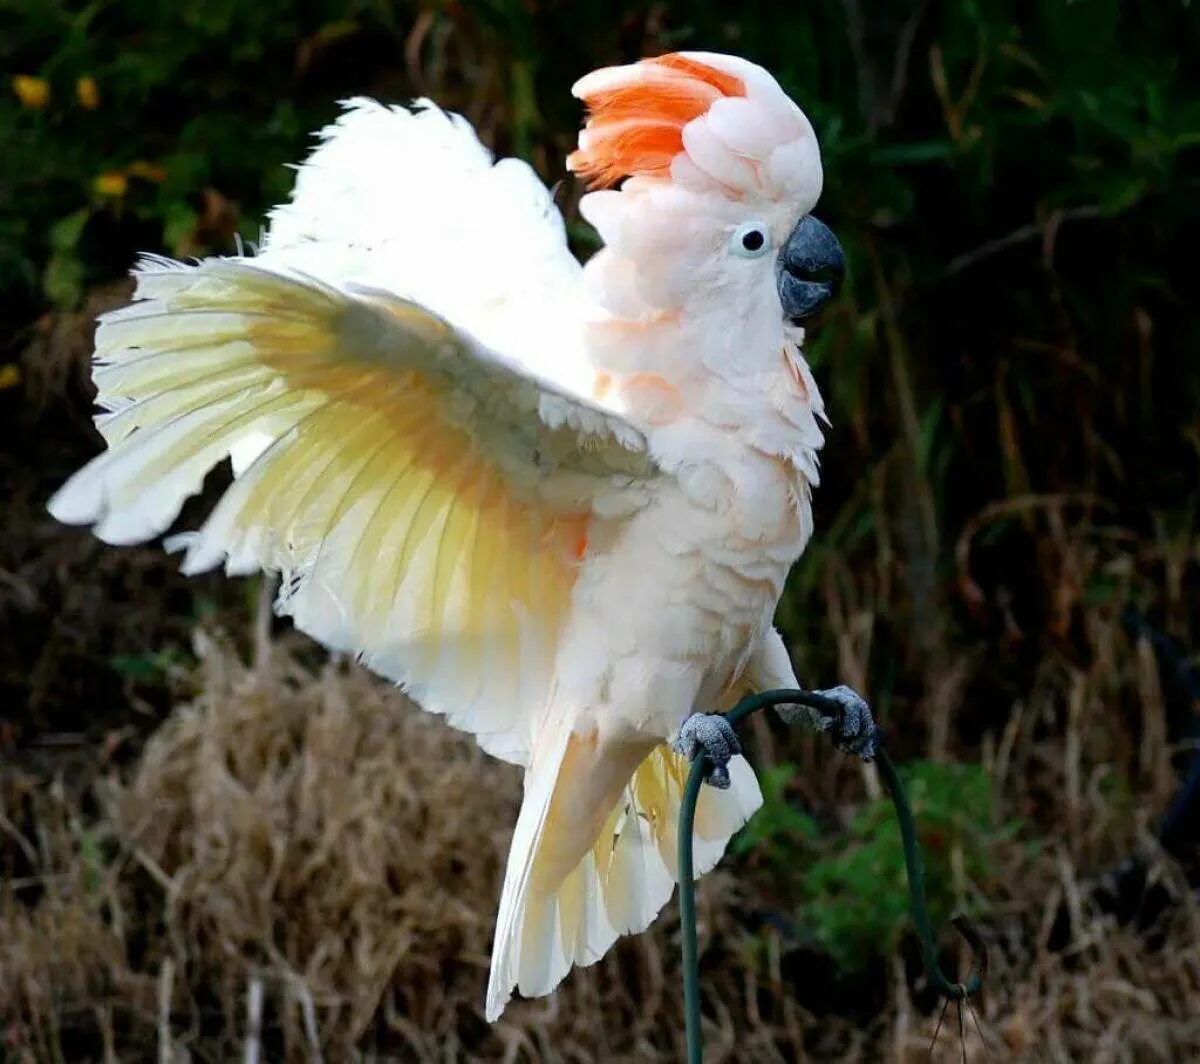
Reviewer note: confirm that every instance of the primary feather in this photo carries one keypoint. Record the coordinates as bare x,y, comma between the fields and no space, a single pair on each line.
556,504
417,491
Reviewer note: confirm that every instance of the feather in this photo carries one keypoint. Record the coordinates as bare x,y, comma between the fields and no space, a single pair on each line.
576,881
637,114
410,203
394,453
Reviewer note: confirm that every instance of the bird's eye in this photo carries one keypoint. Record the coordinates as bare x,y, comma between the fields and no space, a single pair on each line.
750,240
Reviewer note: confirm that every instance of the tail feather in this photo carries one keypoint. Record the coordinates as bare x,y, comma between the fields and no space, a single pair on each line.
578,878
511,918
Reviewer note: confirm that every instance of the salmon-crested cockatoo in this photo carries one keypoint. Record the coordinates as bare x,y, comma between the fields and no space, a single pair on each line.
555,503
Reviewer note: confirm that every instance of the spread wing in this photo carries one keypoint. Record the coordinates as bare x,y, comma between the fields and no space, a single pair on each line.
427,500
396,378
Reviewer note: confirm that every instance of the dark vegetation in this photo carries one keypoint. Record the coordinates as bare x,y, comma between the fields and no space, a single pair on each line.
201,855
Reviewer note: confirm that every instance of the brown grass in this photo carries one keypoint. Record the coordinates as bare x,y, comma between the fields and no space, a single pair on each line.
302,866
301,853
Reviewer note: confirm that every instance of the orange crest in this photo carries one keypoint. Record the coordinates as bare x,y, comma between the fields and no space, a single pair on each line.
636,115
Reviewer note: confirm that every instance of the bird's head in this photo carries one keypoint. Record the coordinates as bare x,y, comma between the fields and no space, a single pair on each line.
720,172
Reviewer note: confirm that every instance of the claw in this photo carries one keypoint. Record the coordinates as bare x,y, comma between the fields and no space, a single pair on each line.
712,735
853,730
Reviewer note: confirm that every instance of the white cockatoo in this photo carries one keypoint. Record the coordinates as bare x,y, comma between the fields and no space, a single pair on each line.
555,503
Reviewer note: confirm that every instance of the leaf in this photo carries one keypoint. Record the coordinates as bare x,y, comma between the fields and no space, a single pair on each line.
912,154
1119,192
930,421
91,857
178,226
65,233
62,279
149,667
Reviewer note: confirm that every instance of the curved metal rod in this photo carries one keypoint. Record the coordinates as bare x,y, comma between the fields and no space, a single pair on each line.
916,890
912,861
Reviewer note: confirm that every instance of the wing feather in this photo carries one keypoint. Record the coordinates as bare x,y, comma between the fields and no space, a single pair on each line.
425,488
424,497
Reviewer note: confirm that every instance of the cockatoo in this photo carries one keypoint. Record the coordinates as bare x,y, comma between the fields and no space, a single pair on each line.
556,503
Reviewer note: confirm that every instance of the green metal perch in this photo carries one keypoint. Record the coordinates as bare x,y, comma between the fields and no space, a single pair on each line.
912,859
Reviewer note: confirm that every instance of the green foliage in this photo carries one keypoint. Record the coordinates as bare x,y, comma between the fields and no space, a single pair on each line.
849,887
779,828
158,120
151,666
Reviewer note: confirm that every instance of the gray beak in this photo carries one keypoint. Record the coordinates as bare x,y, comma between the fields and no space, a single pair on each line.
809,268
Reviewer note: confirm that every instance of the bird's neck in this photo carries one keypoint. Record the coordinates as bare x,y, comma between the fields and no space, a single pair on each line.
651,370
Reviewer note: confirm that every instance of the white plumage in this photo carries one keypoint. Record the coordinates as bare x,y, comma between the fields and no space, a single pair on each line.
556,503
409,202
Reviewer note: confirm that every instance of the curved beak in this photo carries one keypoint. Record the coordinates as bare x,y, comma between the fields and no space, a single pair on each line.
809,268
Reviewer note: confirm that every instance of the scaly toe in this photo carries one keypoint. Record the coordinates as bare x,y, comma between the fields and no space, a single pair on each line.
712,735
854,730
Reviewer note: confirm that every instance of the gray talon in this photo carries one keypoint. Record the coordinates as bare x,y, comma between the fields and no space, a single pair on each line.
854,732
718,777
712,735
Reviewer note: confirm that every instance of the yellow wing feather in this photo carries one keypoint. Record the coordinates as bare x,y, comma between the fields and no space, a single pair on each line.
410,489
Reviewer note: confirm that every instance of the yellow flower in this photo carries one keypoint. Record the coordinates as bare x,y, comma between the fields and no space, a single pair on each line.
88,92
10,376
113,183
32,92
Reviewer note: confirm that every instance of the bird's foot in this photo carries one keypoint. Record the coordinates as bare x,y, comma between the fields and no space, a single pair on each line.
712,735
852,729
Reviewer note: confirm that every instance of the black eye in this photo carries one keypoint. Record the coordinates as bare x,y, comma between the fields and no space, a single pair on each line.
750,239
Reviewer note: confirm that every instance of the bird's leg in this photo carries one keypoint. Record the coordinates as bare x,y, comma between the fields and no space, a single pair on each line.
852,729
712,735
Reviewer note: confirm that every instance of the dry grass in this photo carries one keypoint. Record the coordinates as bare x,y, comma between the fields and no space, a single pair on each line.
301,866
299,854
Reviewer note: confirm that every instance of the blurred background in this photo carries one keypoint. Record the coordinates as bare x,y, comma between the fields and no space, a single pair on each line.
216,843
